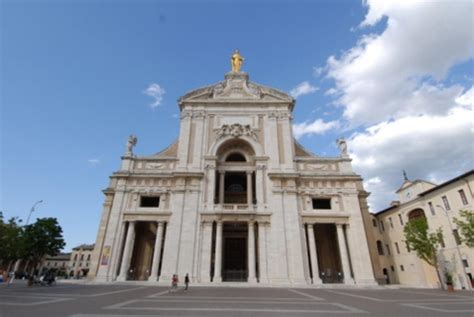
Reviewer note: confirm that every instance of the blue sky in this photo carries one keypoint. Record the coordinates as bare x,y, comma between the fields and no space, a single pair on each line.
74,78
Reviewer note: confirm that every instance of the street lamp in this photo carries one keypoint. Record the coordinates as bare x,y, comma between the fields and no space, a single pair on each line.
468,280
31,211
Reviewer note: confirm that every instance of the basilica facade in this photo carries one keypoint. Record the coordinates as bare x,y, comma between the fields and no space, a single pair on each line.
235,199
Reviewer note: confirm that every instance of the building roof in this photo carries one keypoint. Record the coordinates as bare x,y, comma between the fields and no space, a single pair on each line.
59,257
84,247
471,172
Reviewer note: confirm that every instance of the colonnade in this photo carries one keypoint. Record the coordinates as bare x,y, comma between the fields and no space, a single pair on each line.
128,250
222,187
343,253
205,272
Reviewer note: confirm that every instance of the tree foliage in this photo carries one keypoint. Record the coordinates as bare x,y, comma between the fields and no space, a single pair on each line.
44,237
466,227
10,240
424,243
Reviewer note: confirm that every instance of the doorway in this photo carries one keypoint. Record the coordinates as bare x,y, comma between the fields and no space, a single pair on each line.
234,252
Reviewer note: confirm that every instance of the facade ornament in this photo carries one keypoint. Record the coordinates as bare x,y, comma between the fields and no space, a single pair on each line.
236,60
132,141
341,143
185,114
236,130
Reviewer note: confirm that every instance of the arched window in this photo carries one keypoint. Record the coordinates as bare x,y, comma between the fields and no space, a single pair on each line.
416,214
235,157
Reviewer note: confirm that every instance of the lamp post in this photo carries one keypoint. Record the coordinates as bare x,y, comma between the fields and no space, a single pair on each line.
31,211
468,280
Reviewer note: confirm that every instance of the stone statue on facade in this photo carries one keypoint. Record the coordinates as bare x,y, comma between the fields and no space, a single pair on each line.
236,61
132,141
341,143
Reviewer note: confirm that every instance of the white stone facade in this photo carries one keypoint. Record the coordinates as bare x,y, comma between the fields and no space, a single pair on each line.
236,198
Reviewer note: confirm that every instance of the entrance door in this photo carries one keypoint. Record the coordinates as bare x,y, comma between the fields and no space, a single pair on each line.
234,261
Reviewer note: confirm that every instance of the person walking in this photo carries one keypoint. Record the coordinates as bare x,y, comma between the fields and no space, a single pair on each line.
186,282
174,283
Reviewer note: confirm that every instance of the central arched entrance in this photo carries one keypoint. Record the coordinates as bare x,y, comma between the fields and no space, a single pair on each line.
234,252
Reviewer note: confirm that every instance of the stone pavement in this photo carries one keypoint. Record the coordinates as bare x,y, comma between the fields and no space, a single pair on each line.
89,300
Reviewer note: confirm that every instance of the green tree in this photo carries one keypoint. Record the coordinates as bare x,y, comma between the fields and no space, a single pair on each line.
44,237
466,227
423,242
10,241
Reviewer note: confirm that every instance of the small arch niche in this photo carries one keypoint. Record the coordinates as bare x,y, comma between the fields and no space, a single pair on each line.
235,157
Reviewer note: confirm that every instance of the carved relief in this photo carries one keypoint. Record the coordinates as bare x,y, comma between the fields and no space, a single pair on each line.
151,165
316,167
236,130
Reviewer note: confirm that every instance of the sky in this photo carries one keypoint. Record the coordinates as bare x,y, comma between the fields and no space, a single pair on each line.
393,77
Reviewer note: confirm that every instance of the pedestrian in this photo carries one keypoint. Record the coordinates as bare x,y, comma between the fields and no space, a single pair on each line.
186,282
174,283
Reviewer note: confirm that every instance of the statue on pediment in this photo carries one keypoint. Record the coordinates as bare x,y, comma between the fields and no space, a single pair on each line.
236,61
341,143
131,142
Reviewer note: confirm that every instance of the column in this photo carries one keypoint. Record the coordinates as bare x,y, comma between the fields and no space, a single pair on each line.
249,188
156,254
206,252
343,252
262,253
218,259
259,184
313,252
127,252
221,186
251,253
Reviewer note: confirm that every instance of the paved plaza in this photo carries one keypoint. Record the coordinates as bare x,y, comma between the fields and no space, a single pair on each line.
134,300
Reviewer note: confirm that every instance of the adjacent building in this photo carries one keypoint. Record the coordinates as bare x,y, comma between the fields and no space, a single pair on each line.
60,263
439,204
234,199
80,260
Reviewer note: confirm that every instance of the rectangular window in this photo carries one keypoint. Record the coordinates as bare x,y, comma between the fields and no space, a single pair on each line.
463,196
441,241
379,247
75,257
392,268
446,203
374,222
402,268
382,228
407,246
150,201
55,264
82,257
401,220
89,257
388,249
465,263
430,204
391,222
397,248
321,203
456,236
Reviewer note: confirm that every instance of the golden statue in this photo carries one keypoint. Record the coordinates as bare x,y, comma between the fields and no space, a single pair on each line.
236,61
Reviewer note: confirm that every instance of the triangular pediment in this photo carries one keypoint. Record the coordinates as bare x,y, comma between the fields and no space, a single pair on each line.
236,87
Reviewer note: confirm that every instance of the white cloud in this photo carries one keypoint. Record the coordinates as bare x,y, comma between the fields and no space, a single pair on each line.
94,161
318,71
392,87
318,126
157,92
427,147
466,99
384,75
304,88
